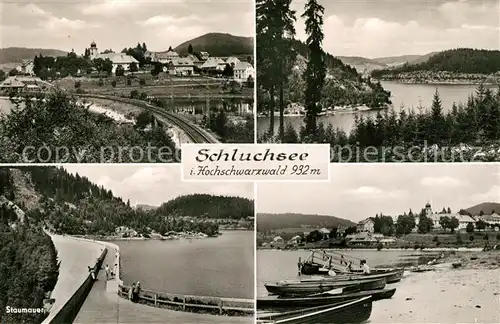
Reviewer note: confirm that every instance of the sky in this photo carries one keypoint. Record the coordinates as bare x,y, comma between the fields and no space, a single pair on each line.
116,24
359,191
154,185
379,28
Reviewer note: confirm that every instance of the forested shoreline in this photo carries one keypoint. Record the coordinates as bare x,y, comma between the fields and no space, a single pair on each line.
469,131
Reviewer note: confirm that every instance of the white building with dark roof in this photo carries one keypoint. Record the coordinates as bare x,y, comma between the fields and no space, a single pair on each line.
243,70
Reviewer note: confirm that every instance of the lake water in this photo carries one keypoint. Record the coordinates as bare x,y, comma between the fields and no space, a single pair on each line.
201,107
273,265
219,267
408,95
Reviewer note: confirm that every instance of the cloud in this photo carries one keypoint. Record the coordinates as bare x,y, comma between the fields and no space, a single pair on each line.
110,7
163,20
444,181
375,33
370,192
492,194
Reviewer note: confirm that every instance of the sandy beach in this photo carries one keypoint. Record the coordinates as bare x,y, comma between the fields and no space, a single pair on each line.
470,294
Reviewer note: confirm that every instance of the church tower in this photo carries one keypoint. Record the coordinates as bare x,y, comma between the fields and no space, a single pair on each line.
428,209
93,52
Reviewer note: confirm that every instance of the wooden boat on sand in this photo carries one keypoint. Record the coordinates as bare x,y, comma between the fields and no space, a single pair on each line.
354,311
392,276
297,288
275,302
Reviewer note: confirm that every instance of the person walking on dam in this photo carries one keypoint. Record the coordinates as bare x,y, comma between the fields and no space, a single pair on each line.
106,269
131,292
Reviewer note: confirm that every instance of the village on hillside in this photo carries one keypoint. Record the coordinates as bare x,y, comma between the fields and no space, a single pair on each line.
426,229
29,75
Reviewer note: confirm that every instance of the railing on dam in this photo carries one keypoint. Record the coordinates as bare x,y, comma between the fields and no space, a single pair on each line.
189,303
67,312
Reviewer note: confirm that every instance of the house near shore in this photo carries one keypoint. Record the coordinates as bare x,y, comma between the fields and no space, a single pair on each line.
366,225
363,239
214,64
24,83
117,59
242,71
26,67
182,66
463,220
204,55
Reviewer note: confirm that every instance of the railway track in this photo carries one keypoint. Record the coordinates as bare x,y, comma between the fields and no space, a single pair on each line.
194,132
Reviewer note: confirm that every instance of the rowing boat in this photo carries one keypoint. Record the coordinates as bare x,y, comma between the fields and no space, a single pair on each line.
297,288
274,302
391,275
354,311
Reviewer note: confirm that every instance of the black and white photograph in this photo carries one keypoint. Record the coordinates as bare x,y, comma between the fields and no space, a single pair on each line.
123,81
381,243
395,80
124,244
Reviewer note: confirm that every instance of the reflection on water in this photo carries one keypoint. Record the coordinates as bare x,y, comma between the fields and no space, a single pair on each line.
220,267
202,107
407,95
197,107
275,265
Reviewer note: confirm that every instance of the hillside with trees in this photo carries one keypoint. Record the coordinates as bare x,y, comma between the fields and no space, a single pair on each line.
28,260
456,61
295,72
486,208
208,206
62,121
18,54
71,204
218,44
270,222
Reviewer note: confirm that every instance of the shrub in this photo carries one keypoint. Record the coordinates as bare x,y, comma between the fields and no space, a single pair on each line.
101,82
134,94
129,81
379,246
113,83
471,238
416,246
498,237
435,239
438,243
486,237
142,82
78,84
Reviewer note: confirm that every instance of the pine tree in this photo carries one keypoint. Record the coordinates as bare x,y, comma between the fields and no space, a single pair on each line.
190,49
315,72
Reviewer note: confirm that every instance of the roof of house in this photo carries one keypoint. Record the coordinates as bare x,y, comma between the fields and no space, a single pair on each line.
232,59
242,66
167,54
12,82
365,221
213,62
324,231
182,61
461,218
118,58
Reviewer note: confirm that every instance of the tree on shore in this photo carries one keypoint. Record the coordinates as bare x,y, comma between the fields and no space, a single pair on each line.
470,228
190,49
275,56
453,224
405,224
425,224
315,71
444,221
